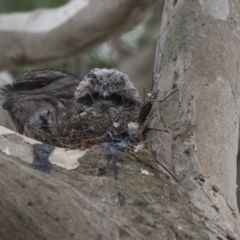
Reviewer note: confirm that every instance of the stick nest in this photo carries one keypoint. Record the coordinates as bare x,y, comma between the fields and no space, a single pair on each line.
84,128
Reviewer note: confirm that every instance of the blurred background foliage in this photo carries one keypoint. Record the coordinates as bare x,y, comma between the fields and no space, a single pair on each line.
132,53
8,6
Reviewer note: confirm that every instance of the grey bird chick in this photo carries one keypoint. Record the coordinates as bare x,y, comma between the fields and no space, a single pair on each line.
106,83
38,100
111,93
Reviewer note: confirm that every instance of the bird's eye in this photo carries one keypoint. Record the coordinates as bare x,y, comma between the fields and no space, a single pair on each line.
116,98
40,83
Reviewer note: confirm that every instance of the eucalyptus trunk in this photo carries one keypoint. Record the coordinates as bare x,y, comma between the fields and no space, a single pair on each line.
180,184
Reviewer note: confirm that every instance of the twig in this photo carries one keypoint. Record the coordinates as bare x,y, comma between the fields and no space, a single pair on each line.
180,96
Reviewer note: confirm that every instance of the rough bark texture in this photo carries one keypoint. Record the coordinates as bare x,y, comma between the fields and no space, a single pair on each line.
125,199
197,57
35,37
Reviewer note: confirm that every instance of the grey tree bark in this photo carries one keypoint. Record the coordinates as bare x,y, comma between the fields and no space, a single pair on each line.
179,185
197,58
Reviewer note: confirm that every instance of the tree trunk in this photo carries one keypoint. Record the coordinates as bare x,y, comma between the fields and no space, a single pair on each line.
184,189
197,61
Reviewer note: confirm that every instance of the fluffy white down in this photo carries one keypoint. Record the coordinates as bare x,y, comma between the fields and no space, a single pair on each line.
106,82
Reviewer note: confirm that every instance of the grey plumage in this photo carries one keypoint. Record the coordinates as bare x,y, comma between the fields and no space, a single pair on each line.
36,100
50,103
107,83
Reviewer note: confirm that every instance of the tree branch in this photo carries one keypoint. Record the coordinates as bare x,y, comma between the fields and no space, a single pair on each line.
46,35
87,202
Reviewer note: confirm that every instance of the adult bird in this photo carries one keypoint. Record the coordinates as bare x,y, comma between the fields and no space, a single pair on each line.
37,101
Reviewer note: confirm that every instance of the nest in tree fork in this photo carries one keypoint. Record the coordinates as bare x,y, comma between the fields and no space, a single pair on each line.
86,127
